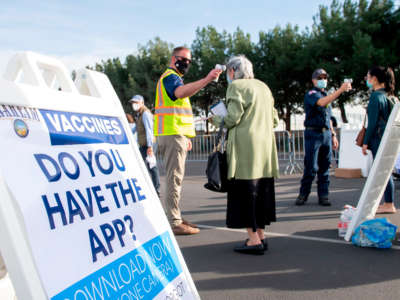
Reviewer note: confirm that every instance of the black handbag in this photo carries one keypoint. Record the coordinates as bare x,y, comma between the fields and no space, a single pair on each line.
217,166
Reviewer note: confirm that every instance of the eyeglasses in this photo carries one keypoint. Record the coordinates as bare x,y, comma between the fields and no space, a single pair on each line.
184,59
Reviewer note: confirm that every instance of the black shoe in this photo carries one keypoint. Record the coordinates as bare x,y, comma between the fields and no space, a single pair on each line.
254,250
301,200
324,202
265,244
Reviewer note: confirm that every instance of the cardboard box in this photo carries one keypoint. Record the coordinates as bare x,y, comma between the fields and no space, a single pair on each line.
347,173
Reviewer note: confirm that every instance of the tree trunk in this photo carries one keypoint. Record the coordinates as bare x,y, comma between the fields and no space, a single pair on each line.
343,112
287,119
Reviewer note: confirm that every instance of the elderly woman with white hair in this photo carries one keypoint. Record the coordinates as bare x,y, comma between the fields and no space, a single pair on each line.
251,154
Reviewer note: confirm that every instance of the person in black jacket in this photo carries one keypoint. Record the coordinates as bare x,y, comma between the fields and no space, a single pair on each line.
381,81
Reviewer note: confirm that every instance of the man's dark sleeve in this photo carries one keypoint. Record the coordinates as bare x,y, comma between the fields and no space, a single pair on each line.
312,98
171,82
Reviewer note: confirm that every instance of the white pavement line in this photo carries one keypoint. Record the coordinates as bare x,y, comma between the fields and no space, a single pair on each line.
258,273
309,214
293,236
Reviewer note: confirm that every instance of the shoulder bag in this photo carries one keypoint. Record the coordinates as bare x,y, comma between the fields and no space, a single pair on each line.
361,134
217,166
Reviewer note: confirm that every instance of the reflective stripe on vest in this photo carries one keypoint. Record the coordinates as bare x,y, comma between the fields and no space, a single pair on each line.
174,110
161,98
172,117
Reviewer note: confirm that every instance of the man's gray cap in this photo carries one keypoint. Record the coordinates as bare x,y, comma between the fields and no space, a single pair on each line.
318,72
137,98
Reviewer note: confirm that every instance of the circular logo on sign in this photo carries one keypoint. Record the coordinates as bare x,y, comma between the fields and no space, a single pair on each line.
21,129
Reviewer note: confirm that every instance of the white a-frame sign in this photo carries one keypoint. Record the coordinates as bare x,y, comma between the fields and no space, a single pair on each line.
79,217
381,170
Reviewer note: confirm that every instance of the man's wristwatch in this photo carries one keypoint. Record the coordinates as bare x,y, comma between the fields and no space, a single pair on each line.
333,134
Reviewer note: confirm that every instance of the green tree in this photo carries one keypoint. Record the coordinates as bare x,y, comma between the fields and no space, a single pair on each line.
346,39
208,49
140,73
240,43
350,37
282,64
146,67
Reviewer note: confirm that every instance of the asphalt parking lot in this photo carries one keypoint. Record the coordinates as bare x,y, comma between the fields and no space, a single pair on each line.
306,258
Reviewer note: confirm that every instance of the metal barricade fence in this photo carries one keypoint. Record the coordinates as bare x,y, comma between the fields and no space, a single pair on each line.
290,146
202,146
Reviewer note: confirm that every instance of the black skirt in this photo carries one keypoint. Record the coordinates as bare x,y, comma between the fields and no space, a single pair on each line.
251,203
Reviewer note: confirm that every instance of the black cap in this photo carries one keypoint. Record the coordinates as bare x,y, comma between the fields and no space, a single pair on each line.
318,72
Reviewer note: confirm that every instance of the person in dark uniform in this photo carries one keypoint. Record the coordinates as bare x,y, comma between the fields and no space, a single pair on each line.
320,137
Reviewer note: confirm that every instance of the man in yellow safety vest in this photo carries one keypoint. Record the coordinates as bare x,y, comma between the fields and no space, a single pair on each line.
173,125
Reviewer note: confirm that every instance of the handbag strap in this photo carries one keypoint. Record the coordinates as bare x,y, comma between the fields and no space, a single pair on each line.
220,137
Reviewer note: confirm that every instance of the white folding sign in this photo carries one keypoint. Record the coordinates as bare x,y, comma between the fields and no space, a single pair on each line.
380,172
79,217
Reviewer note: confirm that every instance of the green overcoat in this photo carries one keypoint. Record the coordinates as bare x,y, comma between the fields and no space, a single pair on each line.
251,148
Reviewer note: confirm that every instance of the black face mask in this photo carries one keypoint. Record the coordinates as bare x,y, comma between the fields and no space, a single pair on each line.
182,66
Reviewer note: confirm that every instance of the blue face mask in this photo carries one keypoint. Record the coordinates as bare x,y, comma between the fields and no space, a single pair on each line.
228,79
322,83
369,85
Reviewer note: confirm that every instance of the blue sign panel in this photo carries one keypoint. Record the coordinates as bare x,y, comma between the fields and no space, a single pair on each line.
140,274
67,128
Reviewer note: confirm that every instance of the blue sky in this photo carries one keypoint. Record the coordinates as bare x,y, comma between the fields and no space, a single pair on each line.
82,32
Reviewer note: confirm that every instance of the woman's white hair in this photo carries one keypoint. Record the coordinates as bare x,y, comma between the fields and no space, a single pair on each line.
242,67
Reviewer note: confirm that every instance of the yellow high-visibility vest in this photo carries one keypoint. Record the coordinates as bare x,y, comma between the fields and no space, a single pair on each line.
172,117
